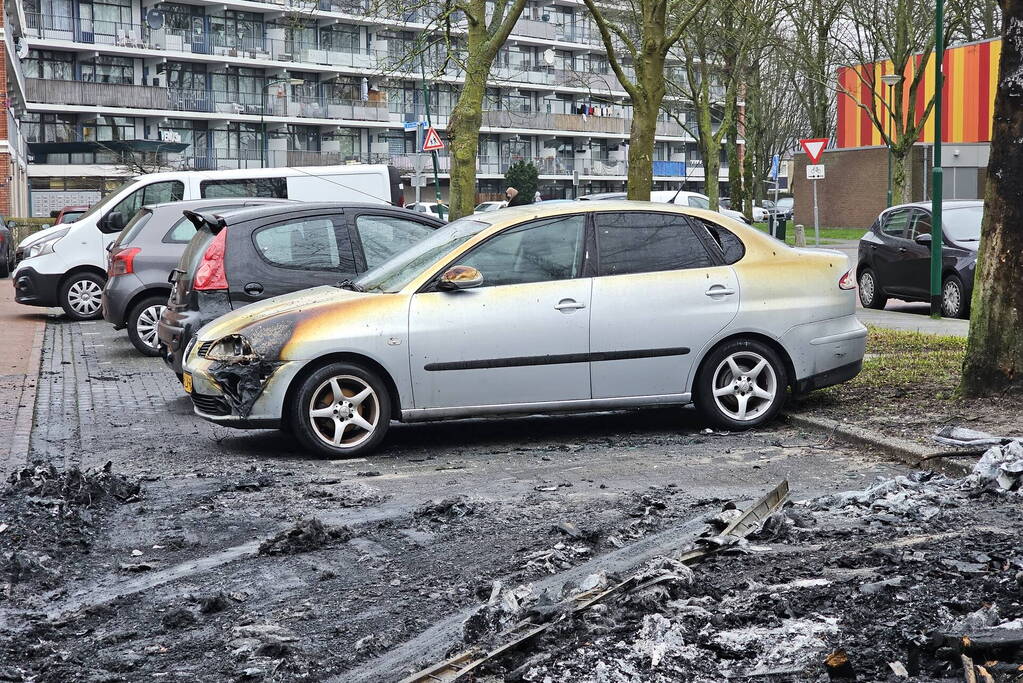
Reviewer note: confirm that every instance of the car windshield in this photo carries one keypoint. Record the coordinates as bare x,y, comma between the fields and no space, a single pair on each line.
393,274
962,224
102,204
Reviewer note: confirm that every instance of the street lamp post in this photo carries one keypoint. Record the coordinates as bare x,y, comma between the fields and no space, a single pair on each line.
891,80
937,174
262,111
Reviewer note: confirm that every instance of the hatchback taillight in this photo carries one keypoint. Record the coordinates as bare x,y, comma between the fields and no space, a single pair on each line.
123,262
210,274
848,281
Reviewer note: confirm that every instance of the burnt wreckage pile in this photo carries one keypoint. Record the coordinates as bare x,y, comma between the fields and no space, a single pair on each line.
916,577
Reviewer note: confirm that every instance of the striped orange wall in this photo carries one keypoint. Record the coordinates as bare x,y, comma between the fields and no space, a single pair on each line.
971,72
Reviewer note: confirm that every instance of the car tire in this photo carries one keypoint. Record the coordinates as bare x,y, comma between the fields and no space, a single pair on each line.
871,294
142,321
953,298
742,384
362,424
5,266
80,296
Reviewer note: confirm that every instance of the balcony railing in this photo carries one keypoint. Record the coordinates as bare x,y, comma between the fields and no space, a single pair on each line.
96,94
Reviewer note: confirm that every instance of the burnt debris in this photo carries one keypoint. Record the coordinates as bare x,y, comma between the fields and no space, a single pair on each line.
309,534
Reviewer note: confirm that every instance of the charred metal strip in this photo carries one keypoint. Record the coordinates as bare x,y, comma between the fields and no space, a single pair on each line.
453,669
554,359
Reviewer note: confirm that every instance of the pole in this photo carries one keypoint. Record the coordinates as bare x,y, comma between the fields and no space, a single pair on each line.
937,174
889,145
418,164
426,103
816,218
262,131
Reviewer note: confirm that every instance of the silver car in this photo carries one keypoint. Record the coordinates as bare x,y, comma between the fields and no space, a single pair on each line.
577,306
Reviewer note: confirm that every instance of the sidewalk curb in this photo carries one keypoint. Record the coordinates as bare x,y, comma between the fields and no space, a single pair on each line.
25,417
904,451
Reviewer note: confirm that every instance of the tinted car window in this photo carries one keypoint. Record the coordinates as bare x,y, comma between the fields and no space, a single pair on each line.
161,193
732,248
647,243
536,252
245,187
134,227
384,236
896,222
306,244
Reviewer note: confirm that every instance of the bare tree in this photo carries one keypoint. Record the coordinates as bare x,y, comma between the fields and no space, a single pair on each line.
640,34
994,354
892,35
981,19
813,52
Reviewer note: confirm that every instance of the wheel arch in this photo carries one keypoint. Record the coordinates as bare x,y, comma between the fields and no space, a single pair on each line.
77,270
145,294
774,344
341,357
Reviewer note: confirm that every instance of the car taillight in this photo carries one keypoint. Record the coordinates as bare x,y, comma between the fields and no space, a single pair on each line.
848,281
210,273
123,262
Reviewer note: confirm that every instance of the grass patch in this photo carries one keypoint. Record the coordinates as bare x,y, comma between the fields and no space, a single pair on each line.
908,360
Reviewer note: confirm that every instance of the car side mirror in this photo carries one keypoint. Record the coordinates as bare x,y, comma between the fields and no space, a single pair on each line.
115,221
460,277
923,238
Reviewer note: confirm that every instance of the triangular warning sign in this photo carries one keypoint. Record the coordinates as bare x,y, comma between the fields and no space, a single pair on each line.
814,147
432,141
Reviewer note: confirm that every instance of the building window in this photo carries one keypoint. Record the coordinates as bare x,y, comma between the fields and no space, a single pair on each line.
243,30
111,15
350,142
53,66
106,69
304,138
340,38
105,128
244,86
186,75
239,141
50,127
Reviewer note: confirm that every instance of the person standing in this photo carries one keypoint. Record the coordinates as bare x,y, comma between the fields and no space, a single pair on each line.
512,195
536,197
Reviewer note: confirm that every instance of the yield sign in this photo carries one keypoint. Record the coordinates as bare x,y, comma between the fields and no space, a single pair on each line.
814,147
432,141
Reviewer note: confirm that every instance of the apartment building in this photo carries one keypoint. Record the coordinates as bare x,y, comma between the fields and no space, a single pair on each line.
101,89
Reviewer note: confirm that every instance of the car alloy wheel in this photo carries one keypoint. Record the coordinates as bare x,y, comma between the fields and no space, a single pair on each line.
344,411
745,386
867,290
952,305
143,320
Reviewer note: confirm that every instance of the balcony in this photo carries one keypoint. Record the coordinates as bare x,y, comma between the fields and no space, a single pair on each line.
535,29
96,94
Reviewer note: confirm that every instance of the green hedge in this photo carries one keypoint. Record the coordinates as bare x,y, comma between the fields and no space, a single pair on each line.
26,226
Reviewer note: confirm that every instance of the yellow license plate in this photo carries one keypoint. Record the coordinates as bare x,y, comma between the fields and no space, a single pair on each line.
186,379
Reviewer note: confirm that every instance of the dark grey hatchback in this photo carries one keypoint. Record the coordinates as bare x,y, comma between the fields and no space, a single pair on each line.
245,256
895,256
141,259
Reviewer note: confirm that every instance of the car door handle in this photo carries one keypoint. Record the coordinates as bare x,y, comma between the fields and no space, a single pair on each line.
902,250
719,290
253,288
568,305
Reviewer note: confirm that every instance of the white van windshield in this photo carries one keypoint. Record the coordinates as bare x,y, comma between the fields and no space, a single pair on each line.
101,205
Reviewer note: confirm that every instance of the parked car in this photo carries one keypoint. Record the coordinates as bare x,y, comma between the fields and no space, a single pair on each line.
142,257
249,255
776,208
578,306
895,256
7,249
69,214
484,207
66,266
788,204
431,208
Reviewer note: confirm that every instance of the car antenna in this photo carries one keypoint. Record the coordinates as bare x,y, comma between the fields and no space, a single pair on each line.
675,196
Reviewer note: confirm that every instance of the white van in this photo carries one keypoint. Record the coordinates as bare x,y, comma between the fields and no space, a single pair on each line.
66,267
694,199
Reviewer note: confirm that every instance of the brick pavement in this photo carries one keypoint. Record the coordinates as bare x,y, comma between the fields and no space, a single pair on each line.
21,331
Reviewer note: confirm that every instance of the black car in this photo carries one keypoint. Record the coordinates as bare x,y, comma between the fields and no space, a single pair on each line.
242,256
7,248
895,256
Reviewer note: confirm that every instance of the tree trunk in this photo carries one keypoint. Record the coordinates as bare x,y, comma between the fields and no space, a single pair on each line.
710,150
994,355
464,139
641,151
902,176
736,187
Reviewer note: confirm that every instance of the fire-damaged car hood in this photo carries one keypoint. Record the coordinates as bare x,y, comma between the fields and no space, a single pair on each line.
269,324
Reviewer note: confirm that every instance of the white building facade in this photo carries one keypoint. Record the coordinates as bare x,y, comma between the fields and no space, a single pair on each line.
101,89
